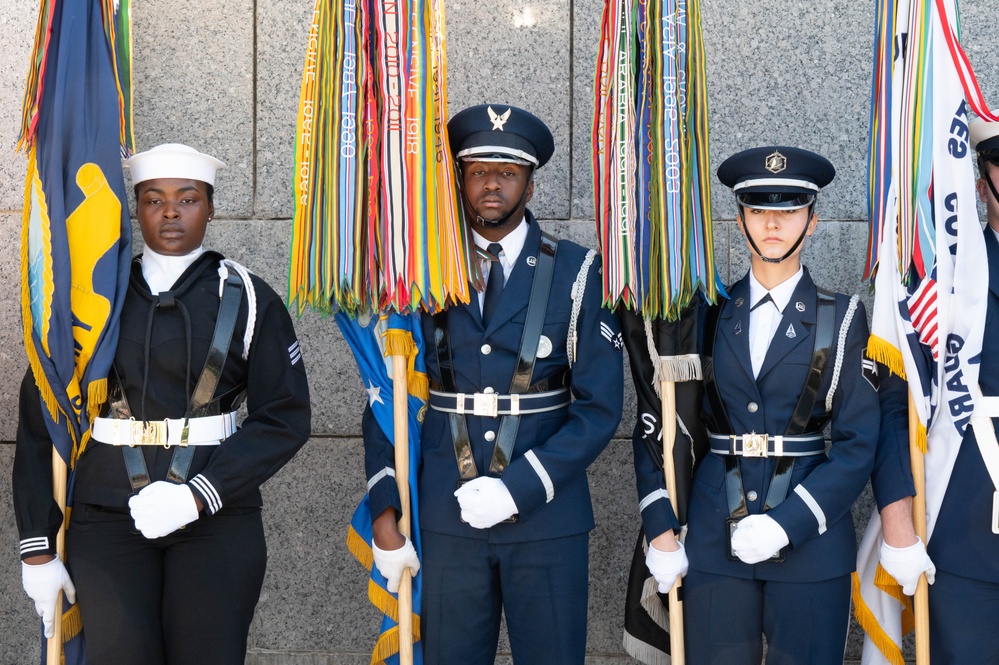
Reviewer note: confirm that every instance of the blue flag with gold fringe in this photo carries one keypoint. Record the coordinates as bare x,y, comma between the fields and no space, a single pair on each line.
76,237
373,345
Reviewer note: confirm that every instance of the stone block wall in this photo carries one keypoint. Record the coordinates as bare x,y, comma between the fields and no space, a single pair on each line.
224,76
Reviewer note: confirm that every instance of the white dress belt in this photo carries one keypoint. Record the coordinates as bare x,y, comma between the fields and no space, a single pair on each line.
204,431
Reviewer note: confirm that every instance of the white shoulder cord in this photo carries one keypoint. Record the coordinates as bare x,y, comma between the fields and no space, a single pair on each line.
251,298
844,328
578,288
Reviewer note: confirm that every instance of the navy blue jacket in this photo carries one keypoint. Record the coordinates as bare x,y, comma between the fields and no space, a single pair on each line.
816,513
549,486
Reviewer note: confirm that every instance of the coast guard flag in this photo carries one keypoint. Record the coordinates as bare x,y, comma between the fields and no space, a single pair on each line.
929,328
373,345
75,243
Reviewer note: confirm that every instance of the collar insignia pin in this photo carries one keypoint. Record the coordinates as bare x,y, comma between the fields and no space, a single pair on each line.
800,306
498,120
775,162
738,328
790,332
738,302
532,261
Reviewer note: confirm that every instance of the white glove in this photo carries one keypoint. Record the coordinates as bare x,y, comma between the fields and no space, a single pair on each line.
42,583
162,508
757,538
666,567
485,502
391,563
906,564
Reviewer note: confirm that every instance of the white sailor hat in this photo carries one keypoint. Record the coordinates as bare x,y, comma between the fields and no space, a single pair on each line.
984,136
173,160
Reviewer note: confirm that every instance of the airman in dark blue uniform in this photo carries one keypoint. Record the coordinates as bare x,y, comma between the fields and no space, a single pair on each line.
962,559
770,541
526,390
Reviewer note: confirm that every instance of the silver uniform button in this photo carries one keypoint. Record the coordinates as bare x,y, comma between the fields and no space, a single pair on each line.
544,347
750,495
486,349
490,435
488,389
752,407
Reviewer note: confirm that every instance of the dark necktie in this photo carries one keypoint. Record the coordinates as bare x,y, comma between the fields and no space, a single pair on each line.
494,284
762,301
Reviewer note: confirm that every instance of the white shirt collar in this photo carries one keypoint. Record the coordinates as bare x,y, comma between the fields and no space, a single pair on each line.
781,293
512,243
161,272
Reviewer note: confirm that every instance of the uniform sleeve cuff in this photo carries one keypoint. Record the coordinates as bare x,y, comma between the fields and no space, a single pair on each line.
204,489
37,545
383,493
657,514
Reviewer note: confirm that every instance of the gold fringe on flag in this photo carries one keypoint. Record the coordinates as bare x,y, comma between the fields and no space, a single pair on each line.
865,617
884,352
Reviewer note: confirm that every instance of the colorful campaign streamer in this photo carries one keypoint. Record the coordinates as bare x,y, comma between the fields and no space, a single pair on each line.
650,157
377,225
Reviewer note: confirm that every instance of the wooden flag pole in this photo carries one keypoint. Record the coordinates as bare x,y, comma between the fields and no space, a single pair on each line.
668,391
400,403
920,602
59,472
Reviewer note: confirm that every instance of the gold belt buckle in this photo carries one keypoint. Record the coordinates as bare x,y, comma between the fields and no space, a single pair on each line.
754,445
149,433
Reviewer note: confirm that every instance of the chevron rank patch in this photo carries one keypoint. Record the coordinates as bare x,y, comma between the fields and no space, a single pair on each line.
869,370
294,352
616,339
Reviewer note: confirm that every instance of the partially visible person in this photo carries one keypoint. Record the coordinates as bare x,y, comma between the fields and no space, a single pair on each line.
961,560
166,542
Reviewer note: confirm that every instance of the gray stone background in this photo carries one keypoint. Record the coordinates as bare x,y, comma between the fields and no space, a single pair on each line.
224,76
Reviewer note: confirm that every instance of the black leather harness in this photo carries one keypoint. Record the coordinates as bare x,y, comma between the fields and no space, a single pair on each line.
802,421
203,400
521,382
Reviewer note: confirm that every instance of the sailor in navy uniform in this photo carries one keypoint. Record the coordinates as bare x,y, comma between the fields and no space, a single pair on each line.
504,502
770,540
961,561
166,543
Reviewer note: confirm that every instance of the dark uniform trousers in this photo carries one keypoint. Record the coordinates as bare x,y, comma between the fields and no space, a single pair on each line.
215,569
536,567
964,599
801,604
540,586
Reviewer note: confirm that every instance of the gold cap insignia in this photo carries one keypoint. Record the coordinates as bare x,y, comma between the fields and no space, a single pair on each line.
776,162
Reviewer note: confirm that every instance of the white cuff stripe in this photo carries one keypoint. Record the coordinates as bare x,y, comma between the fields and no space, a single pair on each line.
206,489
652,498
813,505
386,472
34,544
542,474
